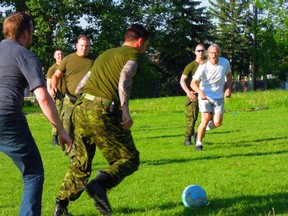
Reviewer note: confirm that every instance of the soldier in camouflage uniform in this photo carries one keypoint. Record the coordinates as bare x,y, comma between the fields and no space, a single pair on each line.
191,106
61,88
101,118
73,67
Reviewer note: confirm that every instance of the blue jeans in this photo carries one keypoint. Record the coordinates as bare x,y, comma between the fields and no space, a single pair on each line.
16,141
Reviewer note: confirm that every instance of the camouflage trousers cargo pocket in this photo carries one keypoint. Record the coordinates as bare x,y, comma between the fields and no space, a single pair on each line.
67,116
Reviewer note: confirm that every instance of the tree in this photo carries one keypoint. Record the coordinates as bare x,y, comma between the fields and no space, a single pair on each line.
176,27
56,24
274,38
106,24
187,26
231,32
262,40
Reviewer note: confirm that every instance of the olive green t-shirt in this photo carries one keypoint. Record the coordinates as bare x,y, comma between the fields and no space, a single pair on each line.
75,67
190,70
62,82
105,72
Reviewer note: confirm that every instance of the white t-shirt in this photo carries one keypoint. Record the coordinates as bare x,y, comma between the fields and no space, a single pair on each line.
213,77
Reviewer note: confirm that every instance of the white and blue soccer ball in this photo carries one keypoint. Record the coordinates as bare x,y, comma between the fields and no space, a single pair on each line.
194,196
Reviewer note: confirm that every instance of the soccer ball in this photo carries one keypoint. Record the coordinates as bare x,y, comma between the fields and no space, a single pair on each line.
194,196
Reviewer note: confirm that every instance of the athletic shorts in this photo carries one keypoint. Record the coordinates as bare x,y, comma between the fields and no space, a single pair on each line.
211,105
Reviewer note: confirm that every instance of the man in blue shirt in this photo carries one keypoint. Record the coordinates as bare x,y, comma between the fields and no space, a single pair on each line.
20,68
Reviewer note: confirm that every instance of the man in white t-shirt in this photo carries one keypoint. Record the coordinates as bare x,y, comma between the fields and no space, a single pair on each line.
208,82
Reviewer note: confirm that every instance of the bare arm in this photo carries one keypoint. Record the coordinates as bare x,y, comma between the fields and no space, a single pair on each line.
48,84
54,82
184,86
124,88
49,109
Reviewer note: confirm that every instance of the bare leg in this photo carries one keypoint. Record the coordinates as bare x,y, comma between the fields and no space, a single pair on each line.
205,118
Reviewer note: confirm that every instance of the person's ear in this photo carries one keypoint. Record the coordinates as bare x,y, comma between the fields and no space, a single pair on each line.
26,34
140,42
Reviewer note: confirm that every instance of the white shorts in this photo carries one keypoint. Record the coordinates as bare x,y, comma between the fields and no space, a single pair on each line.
211,105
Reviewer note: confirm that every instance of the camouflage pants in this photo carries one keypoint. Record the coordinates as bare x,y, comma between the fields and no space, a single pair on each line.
59,106
191,113
66,115
94,125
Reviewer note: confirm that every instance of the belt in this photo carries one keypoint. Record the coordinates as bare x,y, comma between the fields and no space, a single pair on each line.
98,99
89,97
59,95
71,97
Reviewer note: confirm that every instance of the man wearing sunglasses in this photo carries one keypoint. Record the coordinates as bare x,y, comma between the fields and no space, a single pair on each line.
191,106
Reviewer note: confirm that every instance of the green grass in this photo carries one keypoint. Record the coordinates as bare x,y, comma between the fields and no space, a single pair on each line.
243,166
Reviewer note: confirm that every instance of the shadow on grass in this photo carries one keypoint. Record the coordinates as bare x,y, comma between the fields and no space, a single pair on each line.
162,127
251,141
165,136
239,206
274,204
223,132
146,209
212,157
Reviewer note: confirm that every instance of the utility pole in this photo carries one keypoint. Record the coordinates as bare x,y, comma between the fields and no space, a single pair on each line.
254,11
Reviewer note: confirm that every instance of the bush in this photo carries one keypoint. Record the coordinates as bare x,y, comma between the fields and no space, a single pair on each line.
146,83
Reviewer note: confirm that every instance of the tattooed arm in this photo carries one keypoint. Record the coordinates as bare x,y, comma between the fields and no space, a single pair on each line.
82,83
124,88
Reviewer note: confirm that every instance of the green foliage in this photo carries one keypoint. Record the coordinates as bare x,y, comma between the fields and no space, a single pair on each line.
176,27
231,33
183,26
259,37
242,167
146,83
106,24
171,87
274,41
55,25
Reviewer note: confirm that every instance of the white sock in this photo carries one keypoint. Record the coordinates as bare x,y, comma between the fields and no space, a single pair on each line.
210,126
199,143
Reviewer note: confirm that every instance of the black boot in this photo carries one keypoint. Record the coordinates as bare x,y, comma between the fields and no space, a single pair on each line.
195,137
61,208
55,140
187,141
97,189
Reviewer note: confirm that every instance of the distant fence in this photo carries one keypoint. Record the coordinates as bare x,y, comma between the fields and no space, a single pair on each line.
244,86
30,100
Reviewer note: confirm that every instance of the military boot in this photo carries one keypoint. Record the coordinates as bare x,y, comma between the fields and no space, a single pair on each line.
61,208
97,189
195,137
55,140
187,141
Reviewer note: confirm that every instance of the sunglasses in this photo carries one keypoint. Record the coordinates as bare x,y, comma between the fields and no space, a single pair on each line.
200,50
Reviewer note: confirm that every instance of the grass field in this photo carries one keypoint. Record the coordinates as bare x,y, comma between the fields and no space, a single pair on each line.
243,166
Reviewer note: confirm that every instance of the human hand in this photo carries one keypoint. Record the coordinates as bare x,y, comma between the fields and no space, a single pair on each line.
202,95
127,121
65,140
52,92
192,96
228,93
